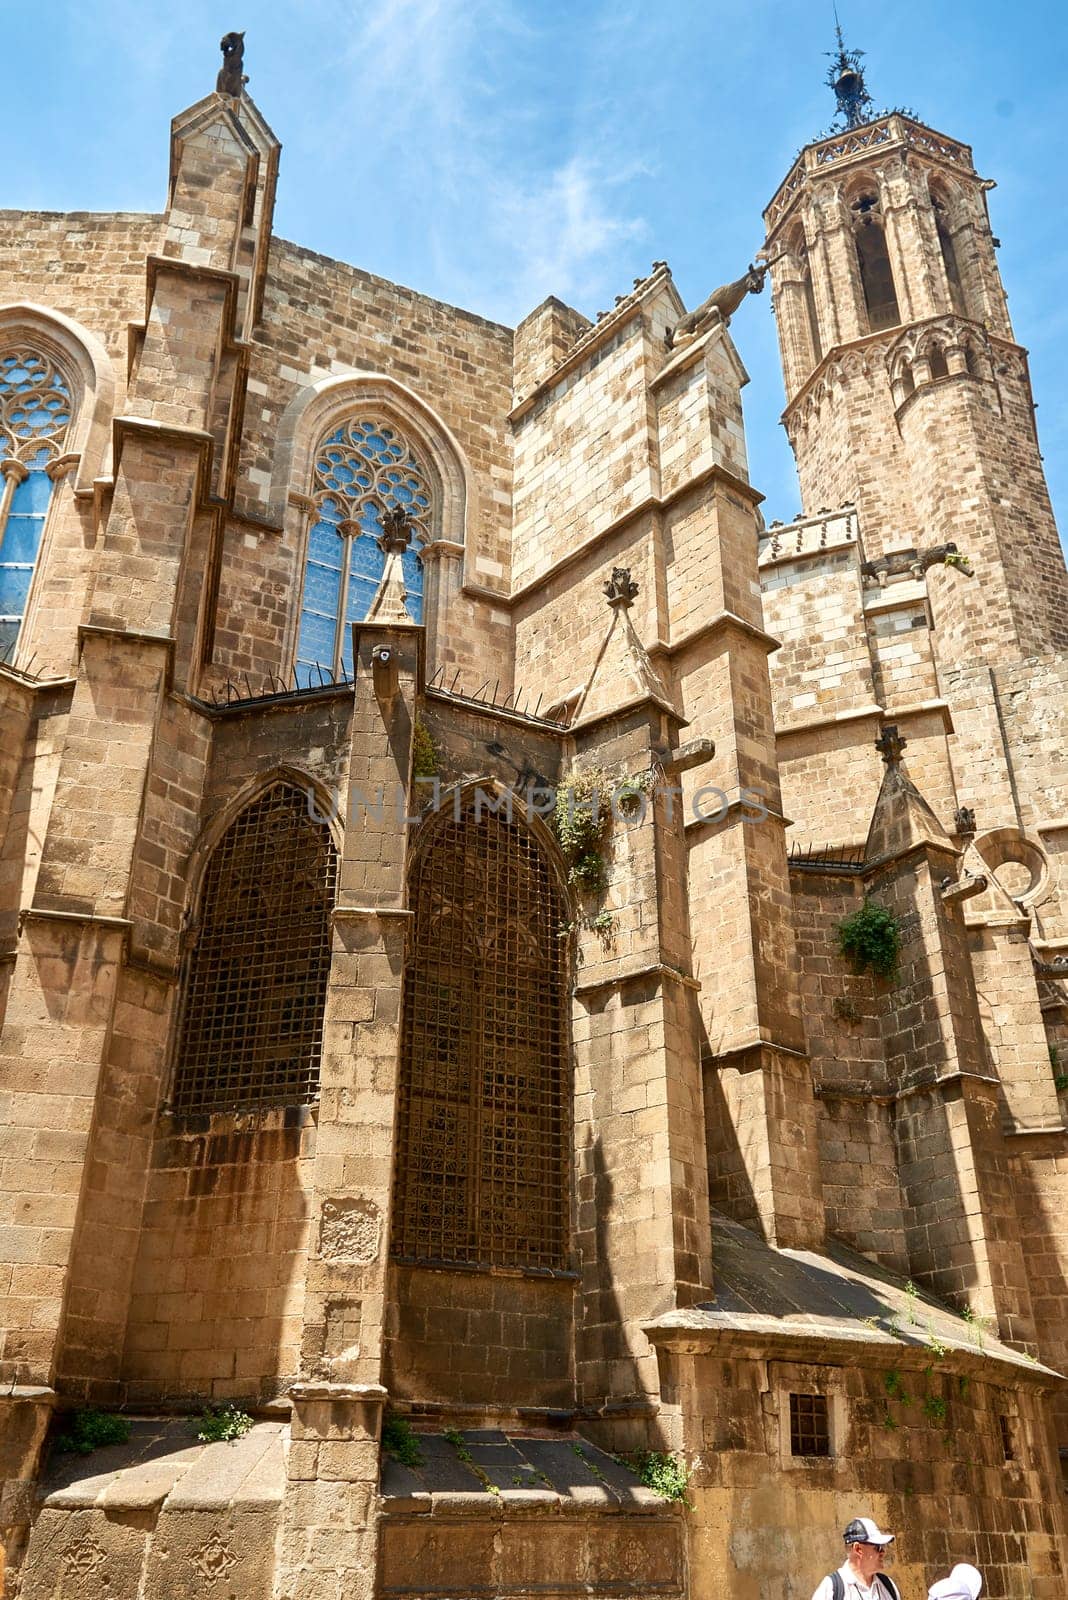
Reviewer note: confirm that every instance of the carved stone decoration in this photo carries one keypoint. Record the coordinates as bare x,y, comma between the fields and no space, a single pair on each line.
350,1230
964,822
891,745
620,590
84,1555
231,80
397,528
214,1559
913,564
720,306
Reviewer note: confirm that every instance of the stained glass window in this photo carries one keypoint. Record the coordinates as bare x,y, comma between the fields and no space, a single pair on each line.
35,412
362,469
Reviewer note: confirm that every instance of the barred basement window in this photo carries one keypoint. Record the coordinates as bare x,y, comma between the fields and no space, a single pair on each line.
35,413
1007,1442
810,1429
484,1129
252,1023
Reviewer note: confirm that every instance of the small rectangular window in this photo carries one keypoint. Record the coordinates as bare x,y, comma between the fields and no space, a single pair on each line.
1007,1444
810,1431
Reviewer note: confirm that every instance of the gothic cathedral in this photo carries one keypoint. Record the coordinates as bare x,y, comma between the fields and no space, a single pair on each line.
533,1005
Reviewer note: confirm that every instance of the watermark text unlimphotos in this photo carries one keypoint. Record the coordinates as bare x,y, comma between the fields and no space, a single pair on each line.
628,803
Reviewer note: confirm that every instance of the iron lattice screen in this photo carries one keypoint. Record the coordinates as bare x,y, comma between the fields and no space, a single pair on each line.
810,1430
484,1107
252,1025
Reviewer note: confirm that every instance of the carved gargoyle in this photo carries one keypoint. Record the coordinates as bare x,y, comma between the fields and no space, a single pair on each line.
720,306
913,563
231,80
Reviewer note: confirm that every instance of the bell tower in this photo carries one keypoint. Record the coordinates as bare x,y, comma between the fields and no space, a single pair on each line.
906,391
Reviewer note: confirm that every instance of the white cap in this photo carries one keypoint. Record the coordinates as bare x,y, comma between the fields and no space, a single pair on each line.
963,1583
862,1530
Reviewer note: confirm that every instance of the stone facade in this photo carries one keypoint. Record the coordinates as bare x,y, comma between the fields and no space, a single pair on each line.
595,1146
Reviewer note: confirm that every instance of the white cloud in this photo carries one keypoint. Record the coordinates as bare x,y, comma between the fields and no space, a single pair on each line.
561,232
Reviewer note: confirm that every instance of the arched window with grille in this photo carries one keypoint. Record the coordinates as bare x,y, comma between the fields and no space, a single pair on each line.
363,467
35,415
484,1108
251,1028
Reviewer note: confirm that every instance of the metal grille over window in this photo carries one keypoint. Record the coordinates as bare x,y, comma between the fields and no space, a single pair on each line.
810,1433
484,1133
362,469
35,412
252,1025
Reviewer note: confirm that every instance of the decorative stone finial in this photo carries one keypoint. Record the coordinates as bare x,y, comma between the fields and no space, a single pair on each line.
620,589
396,530
890,745
846,78
964,823
231,81
390,601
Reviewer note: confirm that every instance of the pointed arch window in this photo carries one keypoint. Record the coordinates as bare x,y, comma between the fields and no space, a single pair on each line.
873,260
954,280
255,985
362,468
483,1142
35,415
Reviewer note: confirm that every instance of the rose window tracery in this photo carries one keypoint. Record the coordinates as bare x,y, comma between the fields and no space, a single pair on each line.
35,414
363,468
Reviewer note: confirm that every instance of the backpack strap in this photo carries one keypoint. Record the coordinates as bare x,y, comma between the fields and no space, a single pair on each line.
837,1586
887,1583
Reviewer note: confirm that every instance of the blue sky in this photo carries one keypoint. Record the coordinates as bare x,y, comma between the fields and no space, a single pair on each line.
490,152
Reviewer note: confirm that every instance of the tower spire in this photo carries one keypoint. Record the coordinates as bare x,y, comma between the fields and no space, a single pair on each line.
846,78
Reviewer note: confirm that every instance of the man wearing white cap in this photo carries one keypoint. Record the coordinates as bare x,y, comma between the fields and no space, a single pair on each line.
861,1575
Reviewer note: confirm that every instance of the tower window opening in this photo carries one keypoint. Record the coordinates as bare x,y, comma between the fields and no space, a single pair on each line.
937,359
484,1131
810,308
873,260
955,283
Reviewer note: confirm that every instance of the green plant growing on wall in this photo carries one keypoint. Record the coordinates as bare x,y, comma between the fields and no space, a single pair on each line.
1060,1079
871,939
581,820
896,1389
665,1474
424,754
975,1323
934,1343
935,1407
400,1442
222,1424
957,558
85,1431
911,1296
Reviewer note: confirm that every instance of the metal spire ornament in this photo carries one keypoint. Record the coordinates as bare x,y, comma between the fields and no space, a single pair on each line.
846,78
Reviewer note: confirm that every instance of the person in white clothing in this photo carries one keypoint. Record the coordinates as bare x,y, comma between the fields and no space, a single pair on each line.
861,1575
963,1583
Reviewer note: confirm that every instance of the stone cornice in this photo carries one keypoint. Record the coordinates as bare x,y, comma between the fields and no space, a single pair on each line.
892,133
630,307
832,1342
